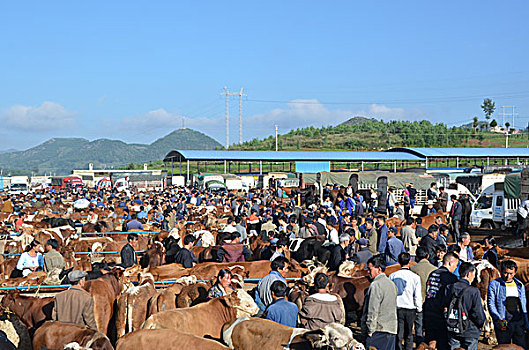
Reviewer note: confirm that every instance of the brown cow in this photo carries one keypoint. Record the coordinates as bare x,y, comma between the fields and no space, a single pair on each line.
33,311
133,304
217,312
105,291
193,294
167,339
155,256
60,335
256,334
164,299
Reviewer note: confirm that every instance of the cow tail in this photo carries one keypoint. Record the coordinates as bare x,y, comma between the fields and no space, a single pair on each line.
128,320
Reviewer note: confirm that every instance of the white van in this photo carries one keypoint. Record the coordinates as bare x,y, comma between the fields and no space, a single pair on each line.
493,210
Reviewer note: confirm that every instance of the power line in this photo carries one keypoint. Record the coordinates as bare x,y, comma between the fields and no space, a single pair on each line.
441,99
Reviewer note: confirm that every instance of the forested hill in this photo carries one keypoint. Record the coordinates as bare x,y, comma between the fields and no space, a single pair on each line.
61,155
361,133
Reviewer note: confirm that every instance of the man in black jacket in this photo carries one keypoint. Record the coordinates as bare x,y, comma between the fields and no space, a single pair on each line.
338,254
128,254
434,323
456,213
430,243
420,231
185,256
471,304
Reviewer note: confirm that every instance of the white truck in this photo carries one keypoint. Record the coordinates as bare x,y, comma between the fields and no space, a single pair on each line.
493,209
233,182
19,185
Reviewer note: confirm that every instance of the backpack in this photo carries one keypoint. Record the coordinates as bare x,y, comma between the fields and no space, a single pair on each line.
456,315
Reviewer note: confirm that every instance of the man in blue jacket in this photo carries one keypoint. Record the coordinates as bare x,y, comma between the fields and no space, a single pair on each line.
507,306
281,311
382,233
394,247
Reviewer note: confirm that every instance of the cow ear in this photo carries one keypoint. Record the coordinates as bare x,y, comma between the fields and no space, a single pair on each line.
315,337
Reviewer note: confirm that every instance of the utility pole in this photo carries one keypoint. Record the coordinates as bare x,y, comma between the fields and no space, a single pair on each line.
240,115
503,110
276,138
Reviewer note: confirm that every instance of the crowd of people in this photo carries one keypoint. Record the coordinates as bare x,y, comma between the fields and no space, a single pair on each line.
431,298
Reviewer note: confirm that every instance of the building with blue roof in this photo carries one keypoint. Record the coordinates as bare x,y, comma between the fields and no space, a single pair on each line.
317,161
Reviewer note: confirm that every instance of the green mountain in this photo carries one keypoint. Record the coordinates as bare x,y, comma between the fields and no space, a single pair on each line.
361,133
61,155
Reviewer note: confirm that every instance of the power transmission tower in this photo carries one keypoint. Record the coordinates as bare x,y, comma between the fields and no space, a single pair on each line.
228,94
227,117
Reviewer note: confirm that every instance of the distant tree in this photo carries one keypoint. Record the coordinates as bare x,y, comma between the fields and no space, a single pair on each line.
507,125
493,123
475,123
488,108
130,166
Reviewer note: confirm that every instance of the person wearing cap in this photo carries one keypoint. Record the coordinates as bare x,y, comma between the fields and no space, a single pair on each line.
427,208
338,254
394,247
280,248
363,254
75,305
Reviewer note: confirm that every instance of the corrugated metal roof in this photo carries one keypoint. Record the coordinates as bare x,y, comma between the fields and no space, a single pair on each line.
464,152
178,155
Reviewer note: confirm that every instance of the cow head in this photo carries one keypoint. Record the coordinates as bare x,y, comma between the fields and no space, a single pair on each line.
335,336
242,302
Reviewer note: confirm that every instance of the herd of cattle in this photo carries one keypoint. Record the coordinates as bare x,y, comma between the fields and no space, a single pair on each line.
158,304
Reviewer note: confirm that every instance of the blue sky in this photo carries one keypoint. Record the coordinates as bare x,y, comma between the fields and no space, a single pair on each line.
130,70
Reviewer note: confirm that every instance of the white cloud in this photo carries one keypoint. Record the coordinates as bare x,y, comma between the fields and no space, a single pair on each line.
296,114
48,116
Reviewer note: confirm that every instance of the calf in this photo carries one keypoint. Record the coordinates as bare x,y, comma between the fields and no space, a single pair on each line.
217,312
164,299
167,339
155,256
133,304
105,291
256,333
59,335
33,311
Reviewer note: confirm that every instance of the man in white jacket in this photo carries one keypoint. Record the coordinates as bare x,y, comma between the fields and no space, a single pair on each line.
409,301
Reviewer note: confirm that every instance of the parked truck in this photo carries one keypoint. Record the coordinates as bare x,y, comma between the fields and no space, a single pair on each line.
19,185
497,204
